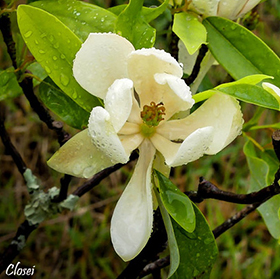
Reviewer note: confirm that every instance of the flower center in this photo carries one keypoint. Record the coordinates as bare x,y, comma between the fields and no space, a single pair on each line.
151,116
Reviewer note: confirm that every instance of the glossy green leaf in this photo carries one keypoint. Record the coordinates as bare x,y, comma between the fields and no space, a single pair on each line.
80,17
260,171
239,51
178,205
131,24
252,94
150,13
172,243
62,105
190,30
198,250
54,46
9,87
248,93
252,79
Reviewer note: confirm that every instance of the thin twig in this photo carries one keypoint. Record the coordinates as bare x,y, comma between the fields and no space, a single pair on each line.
10,148
235,219
24,230
202,52
27,84
207,190
42,112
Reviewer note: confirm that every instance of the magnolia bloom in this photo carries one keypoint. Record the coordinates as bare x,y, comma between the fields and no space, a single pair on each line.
143,93
231,9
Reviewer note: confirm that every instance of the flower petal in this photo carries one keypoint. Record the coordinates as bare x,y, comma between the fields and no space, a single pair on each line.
79,157
192,148
105,137
207,8
143,64
118,101
231,9
132,220
174,94
101,60
220,111
248,6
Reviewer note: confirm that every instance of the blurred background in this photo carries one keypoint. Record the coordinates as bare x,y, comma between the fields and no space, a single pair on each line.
77,244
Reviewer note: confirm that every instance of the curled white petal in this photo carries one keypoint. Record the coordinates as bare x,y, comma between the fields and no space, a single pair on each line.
105,137
220,111
224,8
174,93
143,64
101,60
131,224
192,148
271,88
118,102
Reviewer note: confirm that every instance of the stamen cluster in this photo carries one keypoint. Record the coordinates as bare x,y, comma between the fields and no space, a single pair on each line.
153,114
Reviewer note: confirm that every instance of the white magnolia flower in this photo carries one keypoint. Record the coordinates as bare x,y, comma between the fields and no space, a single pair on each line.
142,90
231,9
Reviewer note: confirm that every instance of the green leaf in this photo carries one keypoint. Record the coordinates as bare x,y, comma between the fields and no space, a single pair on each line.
260,170
248,93
54,46
252,94
252,79
239,51
190,30
80,17
152,13
198,250
62,105
9,87
131,24
178,205
148,12
172,243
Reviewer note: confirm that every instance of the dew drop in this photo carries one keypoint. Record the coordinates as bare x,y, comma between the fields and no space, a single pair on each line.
75,95
62,56
48,70
42,51
64,79
56,45
54,58
28,34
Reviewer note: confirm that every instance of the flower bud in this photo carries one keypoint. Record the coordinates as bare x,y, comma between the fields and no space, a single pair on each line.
231,9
